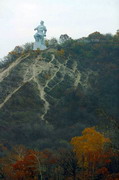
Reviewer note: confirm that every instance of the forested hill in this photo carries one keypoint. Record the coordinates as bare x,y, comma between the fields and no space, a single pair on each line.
48,97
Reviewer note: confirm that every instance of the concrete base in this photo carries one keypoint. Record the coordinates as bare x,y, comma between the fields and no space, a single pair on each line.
37,45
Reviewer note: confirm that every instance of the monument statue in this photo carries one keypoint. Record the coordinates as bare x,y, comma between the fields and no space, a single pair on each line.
39,37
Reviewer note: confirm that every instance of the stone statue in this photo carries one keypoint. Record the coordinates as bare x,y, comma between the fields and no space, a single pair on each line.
39,37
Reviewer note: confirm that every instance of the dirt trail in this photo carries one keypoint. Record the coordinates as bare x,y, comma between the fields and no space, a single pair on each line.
7,71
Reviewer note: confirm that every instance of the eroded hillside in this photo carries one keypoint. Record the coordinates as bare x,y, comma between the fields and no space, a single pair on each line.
50,96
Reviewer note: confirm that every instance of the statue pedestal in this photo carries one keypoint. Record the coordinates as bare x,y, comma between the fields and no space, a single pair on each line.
38,45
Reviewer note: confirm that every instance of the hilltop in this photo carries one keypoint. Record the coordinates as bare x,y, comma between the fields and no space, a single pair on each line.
47,97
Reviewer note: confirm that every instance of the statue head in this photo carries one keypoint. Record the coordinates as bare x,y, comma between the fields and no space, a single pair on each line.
42,22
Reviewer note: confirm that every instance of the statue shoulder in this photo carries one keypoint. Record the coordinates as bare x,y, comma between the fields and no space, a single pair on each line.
45,27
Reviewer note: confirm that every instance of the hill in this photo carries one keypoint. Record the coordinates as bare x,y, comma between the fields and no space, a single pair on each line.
48,97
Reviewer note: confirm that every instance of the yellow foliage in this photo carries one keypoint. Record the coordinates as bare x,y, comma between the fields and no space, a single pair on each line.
89,147
61,52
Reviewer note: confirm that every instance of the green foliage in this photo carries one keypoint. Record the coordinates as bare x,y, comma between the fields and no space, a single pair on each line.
73,108
52,43
64,38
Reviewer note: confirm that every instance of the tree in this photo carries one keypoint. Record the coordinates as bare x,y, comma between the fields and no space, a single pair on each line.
116,36
31,165
21,163
18,49
68,163
61,52
90,150
63,38
16,155
28,47
96,37
52,43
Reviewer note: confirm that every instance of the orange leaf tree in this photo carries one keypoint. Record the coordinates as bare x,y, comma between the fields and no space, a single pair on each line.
90,150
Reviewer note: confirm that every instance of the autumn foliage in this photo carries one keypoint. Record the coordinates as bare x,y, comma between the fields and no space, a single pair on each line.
89,159
93,152
23,164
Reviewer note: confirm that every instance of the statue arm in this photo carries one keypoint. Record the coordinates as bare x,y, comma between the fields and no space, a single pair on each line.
45,30
35,28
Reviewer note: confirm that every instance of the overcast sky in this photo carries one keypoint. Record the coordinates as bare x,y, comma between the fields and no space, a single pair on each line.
77,18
